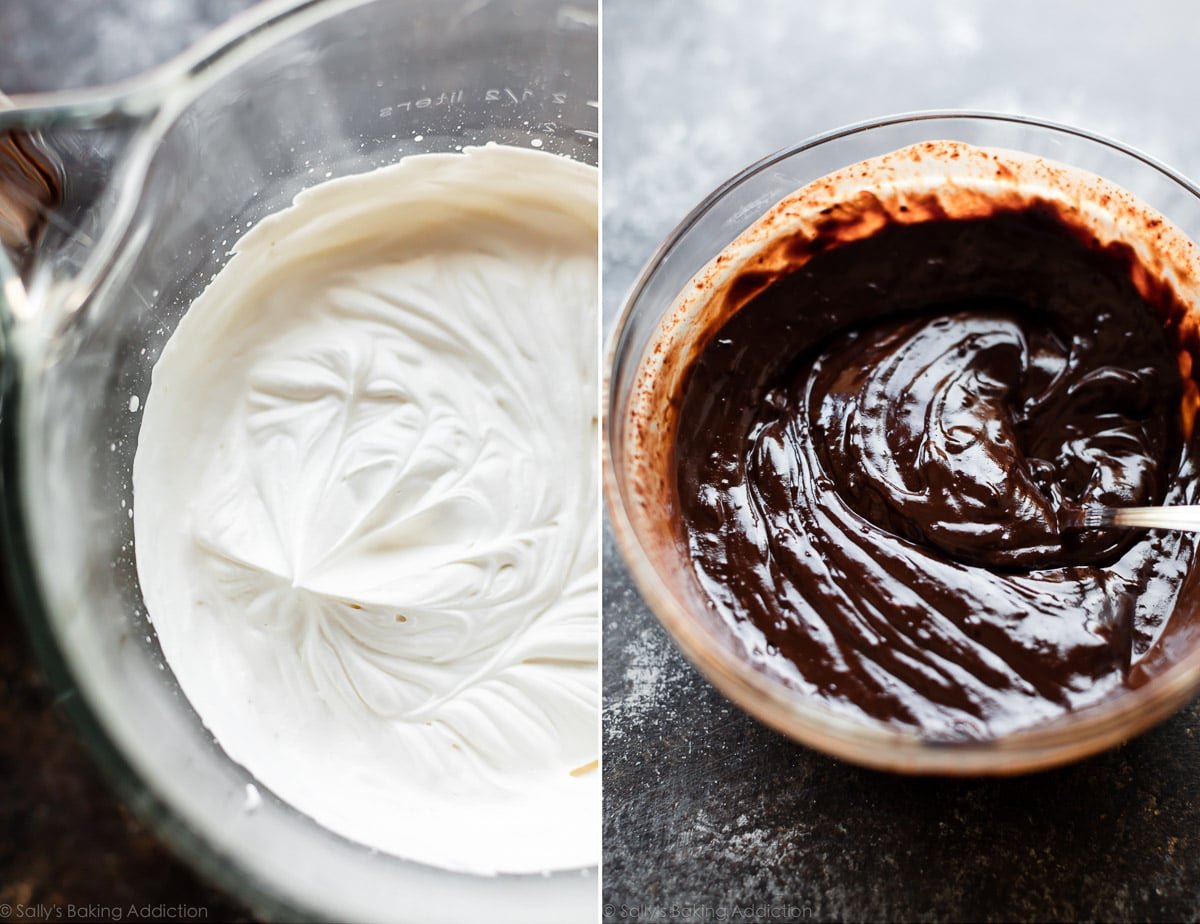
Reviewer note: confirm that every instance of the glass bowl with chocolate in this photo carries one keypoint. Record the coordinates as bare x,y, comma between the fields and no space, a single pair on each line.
855,401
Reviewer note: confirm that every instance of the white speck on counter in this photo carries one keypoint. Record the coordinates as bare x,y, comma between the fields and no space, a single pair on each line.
253,799
134,403
650,672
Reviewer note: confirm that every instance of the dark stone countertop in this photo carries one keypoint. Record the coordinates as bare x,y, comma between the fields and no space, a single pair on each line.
708,813
68,849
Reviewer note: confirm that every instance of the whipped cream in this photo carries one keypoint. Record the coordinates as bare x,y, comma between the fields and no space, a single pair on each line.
366,508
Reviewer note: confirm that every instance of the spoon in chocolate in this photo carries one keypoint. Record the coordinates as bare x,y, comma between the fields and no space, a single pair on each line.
1178,517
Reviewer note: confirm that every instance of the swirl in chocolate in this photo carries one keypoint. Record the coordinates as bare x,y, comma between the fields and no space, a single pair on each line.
873,453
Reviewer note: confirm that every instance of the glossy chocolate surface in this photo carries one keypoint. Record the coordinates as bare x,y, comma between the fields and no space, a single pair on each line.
873,453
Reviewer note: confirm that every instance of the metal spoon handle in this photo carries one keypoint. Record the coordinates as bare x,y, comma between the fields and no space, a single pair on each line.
1181,517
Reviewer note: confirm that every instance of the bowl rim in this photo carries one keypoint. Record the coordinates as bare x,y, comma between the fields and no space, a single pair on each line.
791,712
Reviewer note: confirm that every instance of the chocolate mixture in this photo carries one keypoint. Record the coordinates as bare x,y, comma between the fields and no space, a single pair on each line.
874,453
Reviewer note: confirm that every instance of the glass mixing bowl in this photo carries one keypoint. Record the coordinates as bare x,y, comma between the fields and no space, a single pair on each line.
634,486
117,206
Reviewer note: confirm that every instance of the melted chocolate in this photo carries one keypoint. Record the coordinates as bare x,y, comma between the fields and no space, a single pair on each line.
874,452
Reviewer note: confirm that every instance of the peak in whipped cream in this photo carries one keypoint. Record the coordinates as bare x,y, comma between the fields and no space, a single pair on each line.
366,508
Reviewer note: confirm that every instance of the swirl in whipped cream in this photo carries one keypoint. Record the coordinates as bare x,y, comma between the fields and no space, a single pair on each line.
365,507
